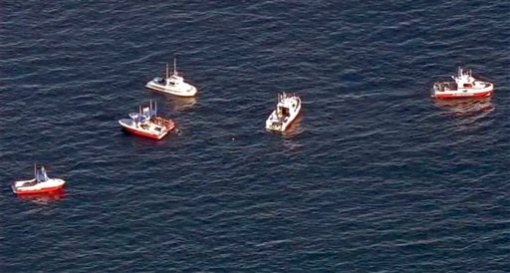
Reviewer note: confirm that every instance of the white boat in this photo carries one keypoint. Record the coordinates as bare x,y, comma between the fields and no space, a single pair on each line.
173,84
147,123
464,85
287,109
40,184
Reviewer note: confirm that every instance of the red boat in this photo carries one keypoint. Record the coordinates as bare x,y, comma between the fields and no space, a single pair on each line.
147,123
40,184
464,85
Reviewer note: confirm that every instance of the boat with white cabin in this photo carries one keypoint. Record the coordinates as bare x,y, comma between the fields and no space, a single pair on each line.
172,84
40,184
464,85
287,109
147,123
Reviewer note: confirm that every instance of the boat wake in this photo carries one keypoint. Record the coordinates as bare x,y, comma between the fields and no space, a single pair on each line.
466,107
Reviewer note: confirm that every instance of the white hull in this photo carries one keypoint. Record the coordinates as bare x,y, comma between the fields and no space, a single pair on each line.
185,90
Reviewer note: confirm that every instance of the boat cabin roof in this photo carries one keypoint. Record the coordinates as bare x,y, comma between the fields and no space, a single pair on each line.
463,76
175,77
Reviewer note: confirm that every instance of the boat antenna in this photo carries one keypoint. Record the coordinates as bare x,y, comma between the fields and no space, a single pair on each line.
35,171
175,65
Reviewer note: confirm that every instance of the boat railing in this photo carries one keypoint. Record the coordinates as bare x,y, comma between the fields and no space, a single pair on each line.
30,183
162,122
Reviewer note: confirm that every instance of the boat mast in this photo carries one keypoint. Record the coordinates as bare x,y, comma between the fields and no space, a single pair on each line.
35,171
166,71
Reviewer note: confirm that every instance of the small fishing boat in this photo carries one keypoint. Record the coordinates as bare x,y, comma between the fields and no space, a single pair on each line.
173,84
464,85
40,184
147,123
287,109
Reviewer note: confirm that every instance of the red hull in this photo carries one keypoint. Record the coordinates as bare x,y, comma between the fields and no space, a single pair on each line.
44,197
453,96
144,134
41,191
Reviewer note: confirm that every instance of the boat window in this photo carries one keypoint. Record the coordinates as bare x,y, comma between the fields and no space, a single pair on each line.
285,111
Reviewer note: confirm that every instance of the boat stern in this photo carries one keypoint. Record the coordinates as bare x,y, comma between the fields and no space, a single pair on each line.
274,124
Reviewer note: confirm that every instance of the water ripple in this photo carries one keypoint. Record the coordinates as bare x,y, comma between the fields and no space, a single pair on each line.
373,177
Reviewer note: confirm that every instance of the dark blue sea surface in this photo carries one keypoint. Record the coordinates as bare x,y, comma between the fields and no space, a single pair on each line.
375,176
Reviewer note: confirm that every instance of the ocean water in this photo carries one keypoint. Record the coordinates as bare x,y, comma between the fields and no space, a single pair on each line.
375,176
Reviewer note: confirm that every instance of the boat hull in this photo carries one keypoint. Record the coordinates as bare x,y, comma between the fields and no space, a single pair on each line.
463,94
189,92
52,186
140,132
